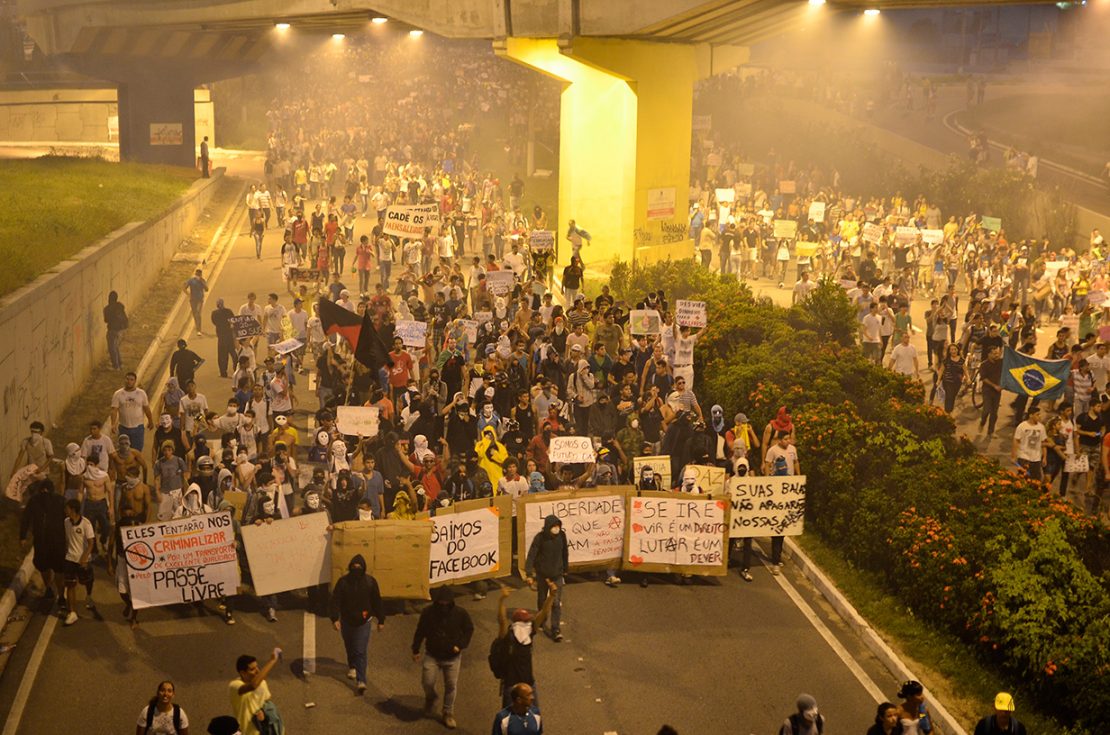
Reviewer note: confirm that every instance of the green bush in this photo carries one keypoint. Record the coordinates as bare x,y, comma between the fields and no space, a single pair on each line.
971,548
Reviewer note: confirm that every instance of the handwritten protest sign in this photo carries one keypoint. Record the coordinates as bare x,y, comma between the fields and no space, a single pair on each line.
645,321
817,211
471,540
357,420
905,235
593,521
571,449
244,326
397,554
767,506
785,228
690,313
660,464
1096,298
304,274
500,282
743,188
412,332
991,224
725,195
184,560
1052,267
805,249
286,346
677,532
872,233
932,237
541,240
289,554
470,327
710,479
410,220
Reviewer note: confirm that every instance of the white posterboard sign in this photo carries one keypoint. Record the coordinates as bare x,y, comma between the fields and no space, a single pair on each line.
1052,267
872,232
180,561
501,282
932,237
690,313
410,220
678,532
725,195
412,333
592,521
286,346
541,240
289,554
905,235
645,321
767,506
571,449
357,420
470,327
785,228
817,211
466,546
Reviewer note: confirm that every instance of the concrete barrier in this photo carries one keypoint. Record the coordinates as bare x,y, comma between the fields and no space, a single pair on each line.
53,328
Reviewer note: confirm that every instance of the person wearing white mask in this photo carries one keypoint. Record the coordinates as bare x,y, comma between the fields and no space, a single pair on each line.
524,626
264,508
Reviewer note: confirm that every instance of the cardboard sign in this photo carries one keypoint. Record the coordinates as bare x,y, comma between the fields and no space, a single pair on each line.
397,554
805,249
709,478
690,313
991,224
500,283
932,237
660,465
571,450
289,554
677,532
767,506
471,540
244,326
412,333
645,321
787,186
872,233
817,211
409,221
725,195
184,560
238,500
541,240
357,420
593,521
785,229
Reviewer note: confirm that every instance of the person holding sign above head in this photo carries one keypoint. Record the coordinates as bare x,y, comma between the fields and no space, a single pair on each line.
355,599
548,558
444,630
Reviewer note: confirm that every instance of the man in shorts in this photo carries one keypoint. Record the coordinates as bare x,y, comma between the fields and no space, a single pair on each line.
76,568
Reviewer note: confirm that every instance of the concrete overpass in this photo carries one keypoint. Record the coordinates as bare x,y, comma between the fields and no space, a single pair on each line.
628,66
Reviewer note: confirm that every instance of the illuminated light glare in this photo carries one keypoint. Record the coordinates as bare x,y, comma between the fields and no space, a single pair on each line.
337,36
379,21
281,26
816,2
871,12
416,33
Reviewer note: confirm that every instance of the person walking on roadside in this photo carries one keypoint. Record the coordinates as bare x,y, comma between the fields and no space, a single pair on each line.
129,406
522,717
44,518
80,542
913,714
1028,450
886,721
162,716
1002,722
806,721
445,630
548,558
250,696
225,337
355,599
115,318
196,287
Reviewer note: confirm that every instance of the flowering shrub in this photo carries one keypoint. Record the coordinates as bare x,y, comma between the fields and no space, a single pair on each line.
1017,572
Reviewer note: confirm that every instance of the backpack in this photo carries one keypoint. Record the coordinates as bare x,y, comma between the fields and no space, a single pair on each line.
796,724
150,718
500,654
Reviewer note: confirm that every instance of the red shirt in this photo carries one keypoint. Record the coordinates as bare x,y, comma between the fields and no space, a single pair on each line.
401,370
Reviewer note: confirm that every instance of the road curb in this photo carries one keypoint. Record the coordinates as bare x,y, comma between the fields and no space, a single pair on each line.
15,589
867,634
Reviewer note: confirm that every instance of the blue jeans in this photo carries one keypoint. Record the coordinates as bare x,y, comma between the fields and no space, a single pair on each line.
97,513
557,606
137,435
450,668
356,639
386,268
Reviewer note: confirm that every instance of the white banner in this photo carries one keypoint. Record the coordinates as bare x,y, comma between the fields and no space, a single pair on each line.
683,530
645,321
767,506
541,240
357,420
932,237
571,449
905,235
725,195
690,313
500,282
872,232
289,554
410,220
817,211
785,228
465,545
287,346
412,333
185,560
593,524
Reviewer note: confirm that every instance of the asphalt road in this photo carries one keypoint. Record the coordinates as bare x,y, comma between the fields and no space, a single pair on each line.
721,656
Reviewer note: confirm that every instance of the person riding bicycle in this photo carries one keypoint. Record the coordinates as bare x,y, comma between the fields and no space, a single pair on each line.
974,333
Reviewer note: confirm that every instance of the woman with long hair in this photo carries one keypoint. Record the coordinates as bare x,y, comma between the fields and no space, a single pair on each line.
162,716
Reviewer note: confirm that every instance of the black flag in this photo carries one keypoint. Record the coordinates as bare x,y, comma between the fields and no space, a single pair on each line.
337,320
371,351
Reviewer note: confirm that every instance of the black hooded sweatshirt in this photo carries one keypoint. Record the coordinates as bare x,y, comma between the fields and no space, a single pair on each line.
356,597
443,626
548,556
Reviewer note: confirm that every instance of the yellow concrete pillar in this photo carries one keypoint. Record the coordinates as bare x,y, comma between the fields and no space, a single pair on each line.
624,153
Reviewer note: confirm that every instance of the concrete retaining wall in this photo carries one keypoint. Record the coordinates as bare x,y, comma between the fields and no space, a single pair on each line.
53,331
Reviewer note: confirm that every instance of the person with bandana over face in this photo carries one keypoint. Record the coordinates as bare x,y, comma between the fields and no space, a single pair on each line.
806,721
547,561
445,630
314,503
355,599
518,628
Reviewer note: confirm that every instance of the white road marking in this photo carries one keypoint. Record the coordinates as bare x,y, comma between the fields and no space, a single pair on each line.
11,725
309,643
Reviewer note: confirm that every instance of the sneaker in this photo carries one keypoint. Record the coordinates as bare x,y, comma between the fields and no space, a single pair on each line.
449,721
558,637
271,615
613,581
71,618
229,619
776,569
479,596
746,575
351,674
360,689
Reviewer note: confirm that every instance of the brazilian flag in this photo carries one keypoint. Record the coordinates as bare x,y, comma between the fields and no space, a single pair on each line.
1035,378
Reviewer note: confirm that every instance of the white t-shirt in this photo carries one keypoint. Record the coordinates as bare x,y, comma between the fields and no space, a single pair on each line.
902,359
299,321
788,455
802,289
274,314
191,408
77,535
872,328
1100,367
513,488
515,261
1030,438
130,404
248,310
162,724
